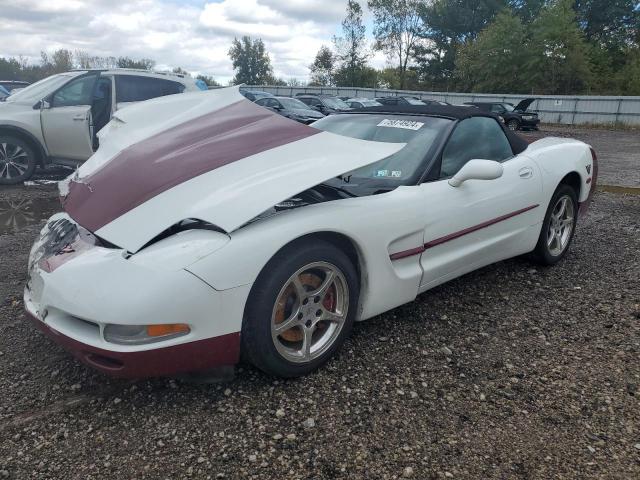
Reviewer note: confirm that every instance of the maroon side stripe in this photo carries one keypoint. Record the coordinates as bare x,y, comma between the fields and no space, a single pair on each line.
154,165
406,253
461,233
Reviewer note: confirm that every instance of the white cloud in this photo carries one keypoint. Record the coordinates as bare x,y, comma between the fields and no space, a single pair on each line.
193,34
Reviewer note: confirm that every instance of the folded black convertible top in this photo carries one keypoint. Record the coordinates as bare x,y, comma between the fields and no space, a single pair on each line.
518,144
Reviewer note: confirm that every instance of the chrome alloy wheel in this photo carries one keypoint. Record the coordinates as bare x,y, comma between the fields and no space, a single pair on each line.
561,225
14,161
309,312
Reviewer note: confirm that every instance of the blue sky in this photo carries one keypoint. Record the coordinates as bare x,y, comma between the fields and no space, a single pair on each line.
192,34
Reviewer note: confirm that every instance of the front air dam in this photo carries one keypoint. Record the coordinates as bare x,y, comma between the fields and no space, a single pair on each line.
189,357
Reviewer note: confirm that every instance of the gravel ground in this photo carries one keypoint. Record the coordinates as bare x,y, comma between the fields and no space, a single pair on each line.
514,371
618,150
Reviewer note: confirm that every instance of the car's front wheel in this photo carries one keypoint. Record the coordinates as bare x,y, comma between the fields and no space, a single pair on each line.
513,125
301,309
558,226
17,160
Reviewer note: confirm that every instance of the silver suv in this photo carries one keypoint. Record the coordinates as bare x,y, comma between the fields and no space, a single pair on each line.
56,119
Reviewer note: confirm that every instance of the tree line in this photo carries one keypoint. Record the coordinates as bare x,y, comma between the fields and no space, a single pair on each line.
484,46
63,60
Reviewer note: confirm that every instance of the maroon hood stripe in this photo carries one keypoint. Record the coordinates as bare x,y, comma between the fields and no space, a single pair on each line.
159,163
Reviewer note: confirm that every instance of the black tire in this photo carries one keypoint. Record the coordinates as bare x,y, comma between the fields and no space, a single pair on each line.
543,253
513,124
17,160
258,345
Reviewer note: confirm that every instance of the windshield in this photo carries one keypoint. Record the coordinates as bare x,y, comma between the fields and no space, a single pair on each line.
37,91
413,101
292,103
508,107
333,102
420,133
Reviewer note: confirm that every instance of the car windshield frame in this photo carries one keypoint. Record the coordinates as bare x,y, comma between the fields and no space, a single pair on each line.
422,134
41,89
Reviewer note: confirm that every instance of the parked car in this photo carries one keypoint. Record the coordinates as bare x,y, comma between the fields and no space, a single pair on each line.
325,104
362,102
11,85
408,100
186,240
56,120
291,108
254,95
515,117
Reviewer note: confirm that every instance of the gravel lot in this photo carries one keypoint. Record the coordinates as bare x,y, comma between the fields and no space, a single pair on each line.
514,371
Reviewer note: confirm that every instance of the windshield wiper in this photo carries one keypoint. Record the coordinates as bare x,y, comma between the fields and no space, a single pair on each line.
339,189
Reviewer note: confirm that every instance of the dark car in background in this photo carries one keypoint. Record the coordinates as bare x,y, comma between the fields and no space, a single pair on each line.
325,104
404,100
400,101
254,95
362,102
11,85
291,108
515,117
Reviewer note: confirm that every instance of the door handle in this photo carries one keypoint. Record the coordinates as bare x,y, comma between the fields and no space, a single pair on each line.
526,172
80,117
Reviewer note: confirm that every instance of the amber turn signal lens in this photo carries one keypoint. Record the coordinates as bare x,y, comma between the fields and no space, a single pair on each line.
167,329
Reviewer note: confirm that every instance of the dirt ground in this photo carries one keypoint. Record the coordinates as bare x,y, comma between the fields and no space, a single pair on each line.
513,371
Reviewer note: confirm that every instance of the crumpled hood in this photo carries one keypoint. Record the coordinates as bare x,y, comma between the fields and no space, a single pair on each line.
212,156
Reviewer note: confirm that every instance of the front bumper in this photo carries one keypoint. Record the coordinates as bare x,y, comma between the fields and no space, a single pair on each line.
194,356
532,123
77,287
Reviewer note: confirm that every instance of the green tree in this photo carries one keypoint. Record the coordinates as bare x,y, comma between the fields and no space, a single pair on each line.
447,25
322,68
629,75
250,61
142,64
493,63
210,81
351,47
59,61
559,62
397,30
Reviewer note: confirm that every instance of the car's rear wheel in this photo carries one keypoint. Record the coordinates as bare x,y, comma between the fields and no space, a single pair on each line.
300,310
558,226
17,160
513,124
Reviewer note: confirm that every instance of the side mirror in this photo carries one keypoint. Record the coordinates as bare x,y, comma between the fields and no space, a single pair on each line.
477,170
44,104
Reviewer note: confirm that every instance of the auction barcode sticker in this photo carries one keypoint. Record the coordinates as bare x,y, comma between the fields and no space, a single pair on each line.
406,124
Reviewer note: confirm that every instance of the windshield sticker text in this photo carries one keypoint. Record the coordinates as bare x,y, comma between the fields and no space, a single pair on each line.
406,124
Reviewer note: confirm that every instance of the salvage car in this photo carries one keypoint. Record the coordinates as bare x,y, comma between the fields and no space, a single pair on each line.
56,119
515,117
207,226
291,108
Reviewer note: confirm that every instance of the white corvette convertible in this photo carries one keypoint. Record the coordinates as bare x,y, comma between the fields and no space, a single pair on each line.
206,226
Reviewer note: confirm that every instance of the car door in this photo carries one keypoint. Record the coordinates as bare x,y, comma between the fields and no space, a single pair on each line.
67,124
480,221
